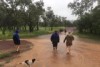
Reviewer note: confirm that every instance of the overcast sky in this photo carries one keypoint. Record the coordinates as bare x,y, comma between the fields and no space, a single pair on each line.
60,7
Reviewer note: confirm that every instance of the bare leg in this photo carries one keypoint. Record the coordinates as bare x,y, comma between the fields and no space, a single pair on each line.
18,47
56,48
68,49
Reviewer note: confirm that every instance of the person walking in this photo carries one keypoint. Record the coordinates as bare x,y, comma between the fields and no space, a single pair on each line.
68,39
55,39
65,31
16,40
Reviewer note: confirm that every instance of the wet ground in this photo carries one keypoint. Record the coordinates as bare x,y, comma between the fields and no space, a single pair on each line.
84,53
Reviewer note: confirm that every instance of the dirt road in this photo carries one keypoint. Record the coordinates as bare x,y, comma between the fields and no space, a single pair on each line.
84,53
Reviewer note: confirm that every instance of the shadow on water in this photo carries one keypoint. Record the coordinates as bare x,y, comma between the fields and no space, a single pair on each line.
58,58
68,57
54,56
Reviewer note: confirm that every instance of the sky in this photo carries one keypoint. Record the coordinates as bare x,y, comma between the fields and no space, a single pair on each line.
60,8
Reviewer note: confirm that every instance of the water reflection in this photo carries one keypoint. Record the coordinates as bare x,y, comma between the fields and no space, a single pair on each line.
55,54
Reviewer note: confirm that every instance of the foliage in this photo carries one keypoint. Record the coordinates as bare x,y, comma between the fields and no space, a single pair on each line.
15,14
79,7
26,15
89,36
4,55
88,17
90,22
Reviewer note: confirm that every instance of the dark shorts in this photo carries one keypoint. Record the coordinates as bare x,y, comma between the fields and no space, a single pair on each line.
16,43
54,44
68,44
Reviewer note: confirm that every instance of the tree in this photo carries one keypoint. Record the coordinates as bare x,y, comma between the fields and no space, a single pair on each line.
50,16
90,22
16,14
39,11
4,13
45,20
79,7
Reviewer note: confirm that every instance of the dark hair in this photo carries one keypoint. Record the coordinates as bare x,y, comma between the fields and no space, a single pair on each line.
55,31
16,31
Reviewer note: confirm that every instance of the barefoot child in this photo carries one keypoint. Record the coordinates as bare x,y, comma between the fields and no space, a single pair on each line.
69,38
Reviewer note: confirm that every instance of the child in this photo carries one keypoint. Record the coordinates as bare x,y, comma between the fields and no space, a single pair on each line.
69,38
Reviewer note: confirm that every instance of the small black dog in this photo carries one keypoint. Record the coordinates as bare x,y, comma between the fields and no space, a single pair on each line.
28,62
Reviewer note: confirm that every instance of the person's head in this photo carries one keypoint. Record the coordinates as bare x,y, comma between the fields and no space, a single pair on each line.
69,33
16,31
56,31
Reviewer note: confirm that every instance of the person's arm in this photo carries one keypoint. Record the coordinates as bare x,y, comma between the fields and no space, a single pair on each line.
65,39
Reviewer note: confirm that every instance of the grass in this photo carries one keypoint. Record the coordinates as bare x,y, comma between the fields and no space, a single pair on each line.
2,56
8,60
33,34
89,36
7,56
42,31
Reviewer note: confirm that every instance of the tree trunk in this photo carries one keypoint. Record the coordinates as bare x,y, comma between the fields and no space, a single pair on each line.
37,26
51,25
25,27
3,31
30,28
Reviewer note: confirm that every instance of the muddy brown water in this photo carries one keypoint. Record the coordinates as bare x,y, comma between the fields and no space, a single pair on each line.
83,54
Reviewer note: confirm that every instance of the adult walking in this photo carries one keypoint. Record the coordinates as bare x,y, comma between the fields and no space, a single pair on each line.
16,40
68,39
55,39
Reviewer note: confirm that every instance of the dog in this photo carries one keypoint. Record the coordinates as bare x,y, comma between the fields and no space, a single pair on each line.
28,62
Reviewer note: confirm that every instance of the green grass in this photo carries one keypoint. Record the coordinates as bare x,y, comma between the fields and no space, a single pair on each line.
7,56
42,31
33,34
89,36
4,55
8,60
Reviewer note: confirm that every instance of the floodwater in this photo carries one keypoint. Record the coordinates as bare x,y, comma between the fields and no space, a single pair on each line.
84,53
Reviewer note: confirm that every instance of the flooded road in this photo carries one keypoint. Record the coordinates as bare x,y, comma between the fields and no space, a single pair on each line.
84,53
